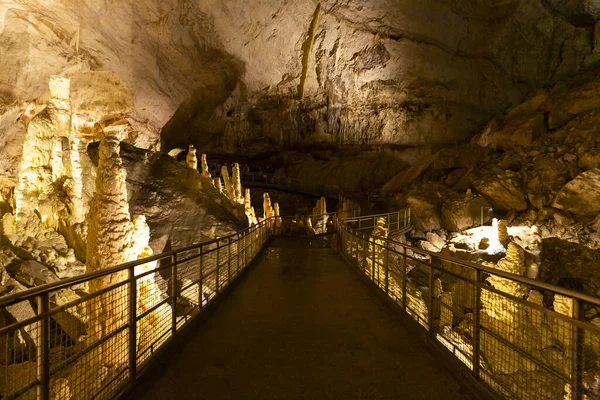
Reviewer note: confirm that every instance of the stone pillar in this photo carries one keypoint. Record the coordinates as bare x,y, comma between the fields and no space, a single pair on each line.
219,185
237,184
191,159
205,172
503,237
227,183
248,209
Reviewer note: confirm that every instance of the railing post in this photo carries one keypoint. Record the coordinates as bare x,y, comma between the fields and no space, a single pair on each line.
577,358
431,315
228,260
387,267
404,278
132,325
174,293
43,349
201,279
217,267
373,265
476,324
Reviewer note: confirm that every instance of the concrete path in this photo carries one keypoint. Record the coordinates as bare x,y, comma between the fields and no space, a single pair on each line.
302,325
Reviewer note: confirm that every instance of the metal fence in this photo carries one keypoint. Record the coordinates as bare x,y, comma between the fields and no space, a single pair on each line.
523,338
92,335
396,223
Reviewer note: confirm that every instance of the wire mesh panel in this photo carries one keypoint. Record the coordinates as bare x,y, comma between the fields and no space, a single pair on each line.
90,336
524,338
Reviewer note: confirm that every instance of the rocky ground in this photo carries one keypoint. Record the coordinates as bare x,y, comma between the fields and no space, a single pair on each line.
538,166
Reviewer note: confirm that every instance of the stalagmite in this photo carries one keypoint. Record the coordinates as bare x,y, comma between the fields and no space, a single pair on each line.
376,255
205,172
227,183
238,195
218,185
268,211
320,216
248,209
503,237
40,149
113,238
191,159
277,216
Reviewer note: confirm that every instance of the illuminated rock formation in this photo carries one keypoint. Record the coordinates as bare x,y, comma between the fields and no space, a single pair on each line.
277,223
205,172
218,184
191,159
503,237
227,183
248,209
110,243
238,194
268,211
113,238
320,216
41,148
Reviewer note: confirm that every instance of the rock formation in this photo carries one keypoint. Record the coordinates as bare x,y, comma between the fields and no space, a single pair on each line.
320,217
205,172
248,209
238,194
191,159
227,183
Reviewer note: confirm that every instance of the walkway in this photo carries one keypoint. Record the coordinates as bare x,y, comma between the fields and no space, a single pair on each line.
302,325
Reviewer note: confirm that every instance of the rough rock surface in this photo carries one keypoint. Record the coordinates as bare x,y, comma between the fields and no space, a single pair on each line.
239,75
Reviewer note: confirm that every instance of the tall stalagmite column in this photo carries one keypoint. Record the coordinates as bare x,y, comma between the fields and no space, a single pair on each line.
110,242
248,209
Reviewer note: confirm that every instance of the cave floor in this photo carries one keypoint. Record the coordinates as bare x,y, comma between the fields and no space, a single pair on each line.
301,325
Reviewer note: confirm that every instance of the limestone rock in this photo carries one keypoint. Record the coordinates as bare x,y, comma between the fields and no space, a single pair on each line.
191,159
32,273
425,210
462,212
519,131
502,190
581,195
205,172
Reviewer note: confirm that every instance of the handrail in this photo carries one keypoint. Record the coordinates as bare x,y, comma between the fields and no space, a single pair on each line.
68,282
486,318
514,277
128,319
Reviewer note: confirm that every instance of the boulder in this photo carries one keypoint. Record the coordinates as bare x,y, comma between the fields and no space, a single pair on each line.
519,131
425,210
573,103
463,212
409,175
501,189
581,196
32,273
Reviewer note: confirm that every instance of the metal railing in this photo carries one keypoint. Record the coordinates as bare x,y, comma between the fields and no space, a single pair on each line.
396,222
523,338
91,336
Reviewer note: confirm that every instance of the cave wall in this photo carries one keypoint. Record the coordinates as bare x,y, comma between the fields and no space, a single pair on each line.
246,76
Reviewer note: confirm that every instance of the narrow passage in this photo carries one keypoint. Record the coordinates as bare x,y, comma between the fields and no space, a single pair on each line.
302,325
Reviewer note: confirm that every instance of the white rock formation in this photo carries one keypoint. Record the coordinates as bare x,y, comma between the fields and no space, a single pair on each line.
248,209
238,194
320,217
205,172
191,159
